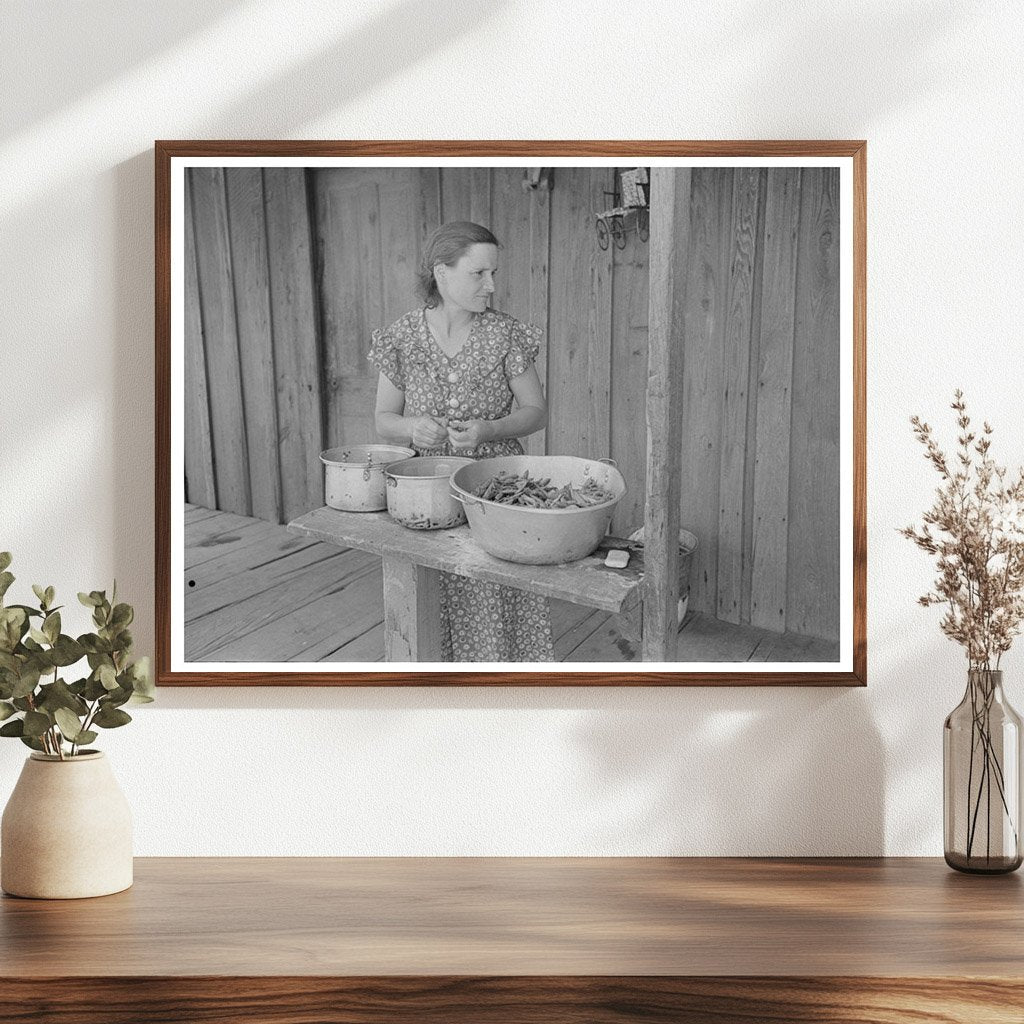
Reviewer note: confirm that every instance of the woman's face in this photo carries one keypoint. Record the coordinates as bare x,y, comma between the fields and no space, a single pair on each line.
469,284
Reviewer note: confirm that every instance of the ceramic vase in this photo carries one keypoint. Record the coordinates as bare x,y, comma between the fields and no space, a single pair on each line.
66,831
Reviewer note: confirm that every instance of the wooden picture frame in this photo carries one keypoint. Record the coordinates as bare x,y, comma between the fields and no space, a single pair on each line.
754,389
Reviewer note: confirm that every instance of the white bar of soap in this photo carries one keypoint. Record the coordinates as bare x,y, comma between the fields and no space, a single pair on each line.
617,559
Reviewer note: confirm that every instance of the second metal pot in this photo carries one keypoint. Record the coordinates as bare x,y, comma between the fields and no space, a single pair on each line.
419,495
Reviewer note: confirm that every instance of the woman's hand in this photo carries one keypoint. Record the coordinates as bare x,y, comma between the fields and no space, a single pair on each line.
428,432
469,433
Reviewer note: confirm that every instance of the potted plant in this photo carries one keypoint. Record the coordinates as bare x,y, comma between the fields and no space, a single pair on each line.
975,530
66,830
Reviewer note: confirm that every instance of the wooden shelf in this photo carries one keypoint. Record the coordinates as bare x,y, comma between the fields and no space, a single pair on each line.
283,941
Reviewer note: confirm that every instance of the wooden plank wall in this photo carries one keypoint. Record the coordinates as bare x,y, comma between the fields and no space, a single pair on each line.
294,272
369,225
289,271
761,397
589,301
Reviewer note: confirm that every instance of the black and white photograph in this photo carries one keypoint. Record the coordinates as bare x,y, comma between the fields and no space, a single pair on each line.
437,414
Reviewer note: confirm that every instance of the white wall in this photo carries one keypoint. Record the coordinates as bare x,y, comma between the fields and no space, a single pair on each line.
936,87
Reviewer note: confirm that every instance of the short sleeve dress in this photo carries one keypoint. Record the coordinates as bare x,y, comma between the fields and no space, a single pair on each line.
480,622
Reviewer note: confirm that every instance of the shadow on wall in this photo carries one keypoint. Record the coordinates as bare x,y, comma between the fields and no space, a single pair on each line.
384,45
131,410
743,771
811,57
925,681
715,772
50,44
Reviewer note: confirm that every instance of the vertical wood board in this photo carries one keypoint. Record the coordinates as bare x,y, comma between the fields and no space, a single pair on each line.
466,194
201,487
247,225
578,350
397,244
628,385
512,221
370,226
599,365
538,290
752,393
774,401
706,271
812,600
352,421
480,195
341,318
732,508
296,349
346,228
428,211
220,334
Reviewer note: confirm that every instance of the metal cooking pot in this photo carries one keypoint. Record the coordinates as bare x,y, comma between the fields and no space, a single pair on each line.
354,476
538,536
419,496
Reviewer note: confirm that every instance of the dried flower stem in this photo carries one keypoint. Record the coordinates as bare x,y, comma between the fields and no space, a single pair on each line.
976,529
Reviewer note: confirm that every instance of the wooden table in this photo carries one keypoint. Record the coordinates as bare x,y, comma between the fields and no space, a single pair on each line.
501,941
411,560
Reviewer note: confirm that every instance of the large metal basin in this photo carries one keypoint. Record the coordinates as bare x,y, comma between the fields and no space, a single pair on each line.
538,536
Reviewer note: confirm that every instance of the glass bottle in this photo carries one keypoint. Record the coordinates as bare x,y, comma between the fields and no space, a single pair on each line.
981,775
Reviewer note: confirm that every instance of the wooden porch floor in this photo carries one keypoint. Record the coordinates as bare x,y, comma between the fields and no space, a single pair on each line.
256,593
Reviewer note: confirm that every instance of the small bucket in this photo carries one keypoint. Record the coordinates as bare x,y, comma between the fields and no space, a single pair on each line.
688,544
687,547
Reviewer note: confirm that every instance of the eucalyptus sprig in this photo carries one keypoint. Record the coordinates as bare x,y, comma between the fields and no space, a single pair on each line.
46,712
975,528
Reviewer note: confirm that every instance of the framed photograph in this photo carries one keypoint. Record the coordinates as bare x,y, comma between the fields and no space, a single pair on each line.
492,413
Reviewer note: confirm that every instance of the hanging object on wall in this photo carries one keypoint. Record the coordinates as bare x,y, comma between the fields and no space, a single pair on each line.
630,210
537,178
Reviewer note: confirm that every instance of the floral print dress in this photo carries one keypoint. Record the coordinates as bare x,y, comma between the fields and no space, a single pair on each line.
480,621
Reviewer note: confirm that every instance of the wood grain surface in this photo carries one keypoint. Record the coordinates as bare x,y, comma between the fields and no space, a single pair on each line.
586,581
199,475
670,242
523,939
507,147
521,1000
255,347
774,401
294,333
812,607
220,338
739,334
279,597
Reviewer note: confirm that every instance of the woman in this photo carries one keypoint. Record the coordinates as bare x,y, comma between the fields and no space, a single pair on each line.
449,371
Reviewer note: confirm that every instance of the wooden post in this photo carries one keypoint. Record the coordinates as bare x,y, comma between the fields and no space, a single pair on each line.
670,244
412,602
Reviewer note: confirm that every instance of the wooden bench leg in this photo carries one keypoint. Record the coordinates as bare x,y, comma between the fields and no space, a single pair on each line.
412,602
631,619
